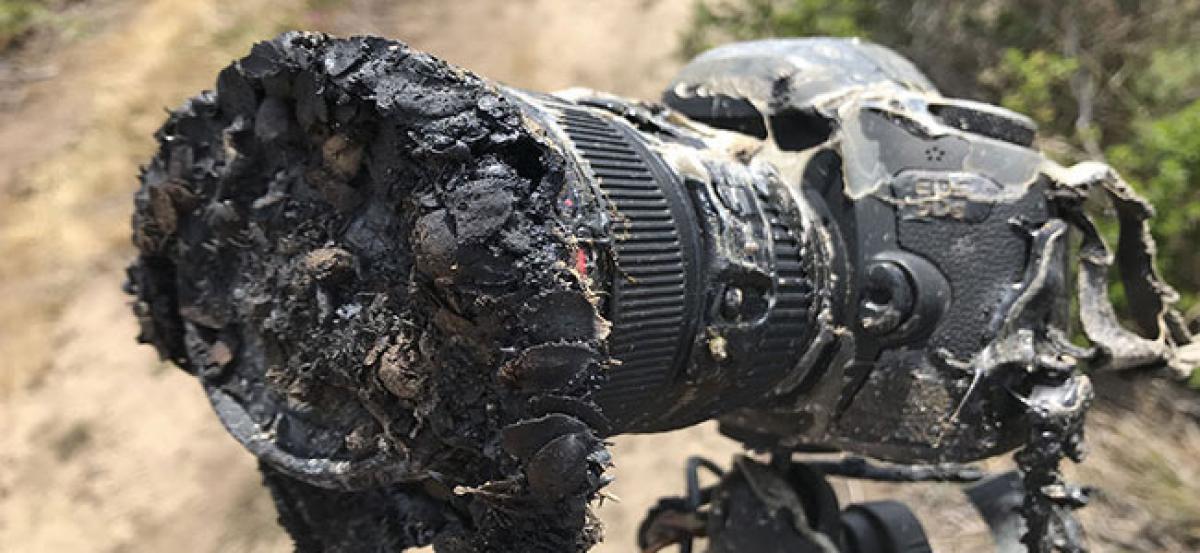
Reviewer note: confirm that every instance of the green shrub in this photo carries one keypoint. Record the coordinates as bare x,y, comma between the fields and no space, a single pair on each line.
17,18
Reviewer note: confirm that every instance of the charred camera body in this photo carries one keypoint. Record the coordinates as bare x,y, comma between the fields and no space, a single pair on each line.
423,299
863,265
815,274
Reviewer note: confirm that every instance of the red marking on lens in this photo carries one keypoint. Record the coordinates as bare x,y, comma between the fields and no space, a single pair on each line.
581,262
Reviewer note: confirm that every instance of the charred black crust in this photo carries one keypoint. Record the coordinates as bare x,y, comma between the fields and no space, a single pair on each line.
347,243
389,518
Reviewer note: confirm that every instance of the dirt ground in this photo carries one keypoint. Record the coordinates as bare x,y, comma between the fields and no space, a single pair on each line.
105,449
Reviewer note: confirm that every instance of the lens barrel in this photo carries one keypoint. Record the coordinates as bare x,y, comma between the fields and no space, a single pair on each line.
707,270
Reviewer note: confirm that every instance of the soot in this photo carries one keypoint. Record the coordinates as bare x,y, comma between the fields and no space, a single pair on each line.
352,246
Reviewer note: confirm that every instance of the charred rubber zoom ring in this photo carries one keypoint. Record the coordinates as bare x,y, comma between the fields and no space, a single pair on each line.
787,330
655,277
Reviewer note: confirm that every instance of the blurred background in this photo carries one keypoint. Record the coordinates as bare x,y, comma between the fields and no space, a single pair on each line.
103,448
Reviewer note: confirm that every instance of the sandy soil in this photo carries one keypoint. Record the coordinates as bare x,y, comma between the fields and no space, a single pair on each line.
106,449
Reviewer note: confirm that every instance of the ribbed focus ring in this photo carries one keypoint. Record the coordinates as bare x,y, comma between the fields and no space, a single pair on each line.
651,314
789,319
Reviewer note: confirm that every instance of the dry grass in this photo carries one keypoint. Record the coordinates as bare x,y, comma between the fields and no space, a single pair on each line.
1145,443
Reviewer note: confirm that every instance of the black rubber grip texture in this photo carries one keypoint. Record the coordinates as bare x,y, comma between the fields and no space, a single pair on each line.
653,305
787,331
787,327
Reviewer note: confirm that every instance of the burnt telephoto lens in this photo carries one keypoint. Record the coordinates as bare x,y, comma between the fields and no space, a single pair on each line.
401,284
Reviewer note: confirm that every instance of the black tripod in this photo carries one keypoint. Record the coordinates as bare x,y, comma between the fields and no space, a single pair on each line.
788,506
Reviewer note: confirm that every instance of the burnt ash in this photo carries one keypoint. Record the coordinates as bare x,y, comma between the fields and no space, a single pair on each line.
355,248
